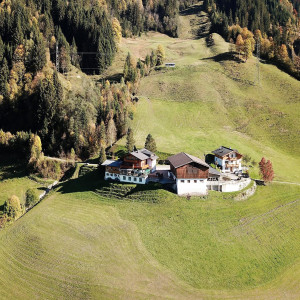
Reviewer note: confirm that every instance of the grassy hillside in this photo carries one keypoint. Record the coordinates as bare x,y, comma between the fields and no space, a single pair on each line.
210,100
79,244
92,240
14,180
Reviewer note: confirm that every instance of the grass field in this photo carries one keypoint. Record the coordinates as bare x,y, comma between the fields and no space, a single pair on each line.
14,181
208,101
92,240
77,244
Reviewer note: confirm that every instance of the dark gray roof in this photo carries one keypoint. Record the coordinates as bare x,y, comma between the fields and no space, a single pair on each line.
182,159
144,154
112,163
213,172
222,151
140,155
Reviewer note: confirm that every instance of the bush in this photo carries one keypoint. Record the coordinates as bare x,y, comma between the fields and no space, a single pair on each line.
12,207
31,197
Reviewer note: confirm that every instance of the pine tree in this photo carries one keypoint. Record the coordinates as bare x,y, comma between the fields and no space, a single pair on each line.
130,140
150,143
4,73
102,156
38,52
74,54
1,50
153,59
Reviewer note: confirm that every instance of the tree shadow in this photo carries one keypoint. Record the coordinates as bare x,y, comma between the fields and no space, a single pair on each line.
88,182
226,56
192,10
13,169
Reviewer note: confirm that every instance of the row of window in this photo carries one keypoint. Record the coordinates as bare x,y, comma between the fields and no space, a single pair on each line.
189,181
135,179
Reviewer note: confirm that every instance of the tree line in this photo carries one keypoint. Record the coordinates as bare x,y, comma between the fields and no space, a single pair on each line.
272,23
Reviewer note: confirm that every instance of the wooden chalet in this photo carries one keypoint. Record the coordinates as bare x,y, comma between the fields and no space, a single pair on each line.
228,160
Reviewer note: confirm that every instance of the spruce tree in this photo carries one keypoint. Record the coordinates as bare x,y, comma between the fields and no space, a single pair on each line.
102,156
4,73
130,140
150,143
38,52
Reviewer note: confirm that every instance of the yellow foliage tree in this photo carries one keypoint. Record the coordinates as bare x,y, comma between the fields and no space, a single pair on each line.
117,30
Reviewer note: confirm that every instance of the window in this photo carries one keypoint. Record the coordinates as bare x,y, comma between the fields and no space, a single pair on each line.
124,177
182,181
189,181
107,174
195,181
140,180
129,178
134,178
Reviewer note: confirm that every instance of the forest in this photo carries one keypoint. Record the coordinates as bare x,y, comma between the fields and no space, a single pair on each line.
86,34
274,23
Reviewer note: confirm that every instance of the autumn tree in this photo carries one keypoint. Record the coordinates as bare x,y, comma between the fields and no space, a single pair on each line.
247,49
150,143
35,147
160,54
117,30
130,140
239,44
266,170
12,207
111,132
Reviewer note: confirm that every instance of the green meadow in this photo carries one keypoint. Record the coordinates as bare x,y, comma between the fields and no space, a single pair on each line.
89,239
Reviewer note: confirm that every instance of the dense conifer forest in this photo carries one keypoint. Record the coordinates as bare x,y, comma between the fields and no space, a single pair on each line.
86,35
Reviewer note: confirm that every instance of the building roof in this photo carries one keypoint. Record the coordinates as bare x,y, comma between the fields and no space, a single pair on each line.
213,172
182,159
144,154
222,151
112,163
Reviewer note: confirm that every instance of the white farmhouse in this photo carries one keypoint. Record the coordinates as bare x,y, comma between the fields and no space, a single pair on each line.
191,174
228,160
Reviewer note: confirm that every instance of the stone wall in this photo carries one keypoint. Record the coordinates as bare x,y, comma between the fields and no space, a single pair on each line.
246,194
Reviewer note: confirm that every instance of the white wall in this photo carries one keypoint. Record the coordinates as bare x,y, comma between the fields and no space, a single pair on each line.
125,178
152,164
230,186
189,186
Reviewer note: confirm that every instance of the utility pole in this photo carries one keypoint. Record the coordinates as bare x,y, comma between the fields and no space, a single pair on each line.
258,59
57,58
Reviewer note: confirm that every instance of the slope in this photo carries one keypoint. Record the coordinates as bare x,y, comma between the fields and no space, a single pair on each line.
211,99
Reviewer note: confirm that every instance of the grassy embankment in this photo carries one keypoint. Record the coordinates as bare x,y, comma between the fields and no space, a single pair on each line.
83,242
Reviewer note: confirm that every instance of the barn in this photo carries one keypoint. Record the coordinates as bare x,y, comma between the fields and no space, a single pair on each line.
190,172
